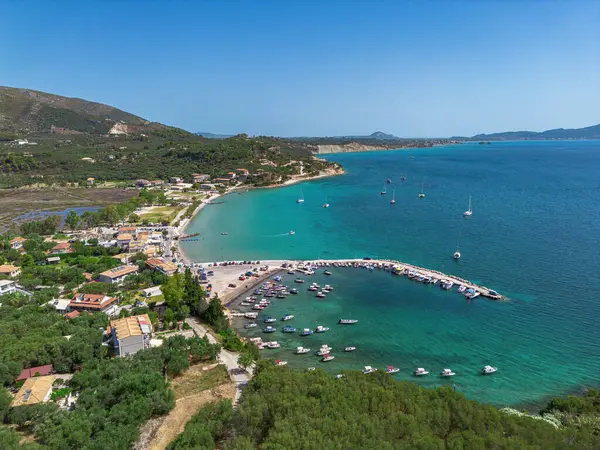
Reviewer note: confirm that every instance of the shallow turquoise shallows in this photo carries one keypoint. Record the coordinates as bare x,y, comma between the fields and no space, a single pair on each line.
534,236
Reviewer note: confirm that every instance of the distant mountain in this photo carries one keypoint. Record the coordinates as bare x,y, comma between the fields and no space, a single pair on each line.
381,136
27,111
214,135
592,132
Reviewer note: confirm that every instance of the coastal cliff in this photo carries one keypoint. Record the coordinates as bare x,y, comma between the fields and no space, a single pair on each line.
352,147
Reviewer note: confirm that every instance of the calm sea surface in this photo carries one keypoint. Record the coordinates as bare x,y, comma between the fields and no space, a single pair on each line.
534,236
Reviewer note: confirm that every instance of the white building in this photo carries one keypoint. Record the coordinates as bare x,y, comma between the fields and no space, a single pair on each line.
7,287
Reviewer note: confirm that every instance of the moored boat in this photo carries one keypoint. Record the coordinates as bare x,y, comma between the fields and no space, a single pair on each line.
447,285
327,357
280,363
420,372
324,350
298,280
306,332
347,321
327,288
447,373
349,349
392,369
302,350
462,288
320,294
294,291
327,272
269,329
288,329
251,315
270,319
287,317
272,344
488,370
369,369
250,325
321,329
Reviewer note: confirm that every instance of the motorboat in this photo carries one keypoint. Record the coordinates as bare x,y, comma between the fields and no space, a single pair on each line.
393,200
324,350
383,191
321,329
250,325
301,198
456,255
447,373
251,315
369,369
292,232
224,233
349,349
320,294
447,285
422,193
403,178
420,372
347,321
462,288
327,357
316,285
299,280
327,272
288,329
325,205
278,278
269,329
310,369
306,332
388,180
327,288
280,363
282,294
245,304
488,370
392,369
473,295
272,345
313,288
468,212
302,350
270,319
291,272
287,317
294,291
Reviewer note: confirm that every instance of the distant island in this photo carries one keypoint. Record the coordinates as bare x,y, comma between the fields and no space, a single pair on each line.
592,132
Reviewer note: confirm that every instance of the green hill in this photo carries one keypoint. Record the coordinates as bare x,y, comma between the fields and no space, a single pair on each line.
25,111
592,132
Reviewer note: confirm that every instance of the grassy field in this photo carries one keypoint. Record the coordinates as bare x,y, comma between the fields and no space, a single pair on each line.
160,213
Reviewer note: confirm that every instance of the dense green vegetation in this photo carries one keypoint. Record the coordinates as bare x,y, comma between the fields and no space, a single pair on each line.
207,427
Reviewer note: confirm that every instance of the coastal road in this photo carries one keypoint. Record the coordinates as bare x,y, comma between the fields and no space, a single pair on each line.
229,359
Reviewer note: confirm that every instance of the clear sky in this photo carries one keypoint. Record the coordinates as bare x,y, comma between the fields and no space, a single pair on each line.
318,68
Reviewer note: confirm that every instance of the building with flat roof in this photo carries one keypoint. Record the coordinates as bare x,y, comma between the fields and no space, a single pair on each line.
162,266
35,390
118,274
93,303
131,334
7,287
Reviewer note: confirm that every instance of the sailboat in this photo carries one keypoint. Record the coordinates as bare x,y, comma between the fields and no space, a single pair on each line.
457,252
301,198
383,192
469,212
393,200
422,194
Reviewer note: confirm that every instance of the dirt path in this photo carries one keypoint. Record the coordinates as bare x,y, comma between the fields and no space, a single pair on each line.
165,429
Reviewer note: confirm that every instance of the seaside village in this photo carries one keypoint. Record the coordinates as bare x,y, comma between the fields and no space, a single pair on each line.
84,267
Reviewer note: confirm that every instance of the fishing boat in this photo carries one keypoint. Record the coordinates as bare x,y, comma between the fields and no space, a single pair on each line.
403,178
294,291
488,370
383,192
324,350
447,285
287,317
393,200
272,345
447,373
388,180
299,280
301,198
327,357
347,321
292,232
269,329
422,193
420,372
327,288
270,319
369,369
313,288
392,369
288,329
349,349
250,325
468,212
457,254
320,294
251,315
302,350
462,288
291,272
327,272
473,295
280,363
321,329
306,332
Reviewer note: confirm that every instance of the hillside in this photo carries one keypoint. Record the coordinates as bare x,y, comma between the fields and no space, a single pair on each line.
592,132
25,111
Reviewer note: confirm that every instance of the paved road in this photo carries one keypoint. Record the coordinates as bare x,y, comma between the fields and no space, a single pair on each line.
229,359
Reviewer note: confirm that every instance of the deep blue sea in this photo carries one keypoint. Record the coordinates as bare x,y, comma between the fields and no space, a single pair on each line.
534,236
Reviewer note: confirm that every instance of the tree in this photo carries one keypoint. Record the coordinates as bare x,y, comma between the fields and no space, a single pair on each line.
168,316
111,215
214,314
27,261
245,359
173,291
134,218
72,220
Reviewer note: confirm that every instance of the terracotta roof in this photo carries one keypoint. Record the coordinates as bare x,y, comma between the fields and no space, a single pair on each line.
32,371
88,276
124,237
161,264
126,229
131,326
119,271
8,268
34,390
62,246
18,239
91,301
72,315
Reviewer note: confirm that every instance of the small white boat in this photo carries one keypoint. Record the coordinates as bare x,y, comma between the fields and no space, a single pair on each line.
392,369
273,344
280,363
327,357
457,254
287,317
313,288
420,372
393,200
250,325
383,191
310,369
488,370
469,212
292,232
369,369
320,294
339,375
327,288
324,350
325,205
301,198
224,233
302,350
422,193
321,329
349,349
462,288
447,373
251,315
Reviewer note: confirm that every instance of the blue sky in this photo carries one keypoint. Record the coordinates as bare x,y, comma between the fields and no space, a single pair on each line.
319,68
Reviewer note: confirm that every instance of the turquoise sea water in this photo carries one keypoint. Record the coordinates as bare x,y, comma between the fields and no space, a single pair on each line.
534,236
